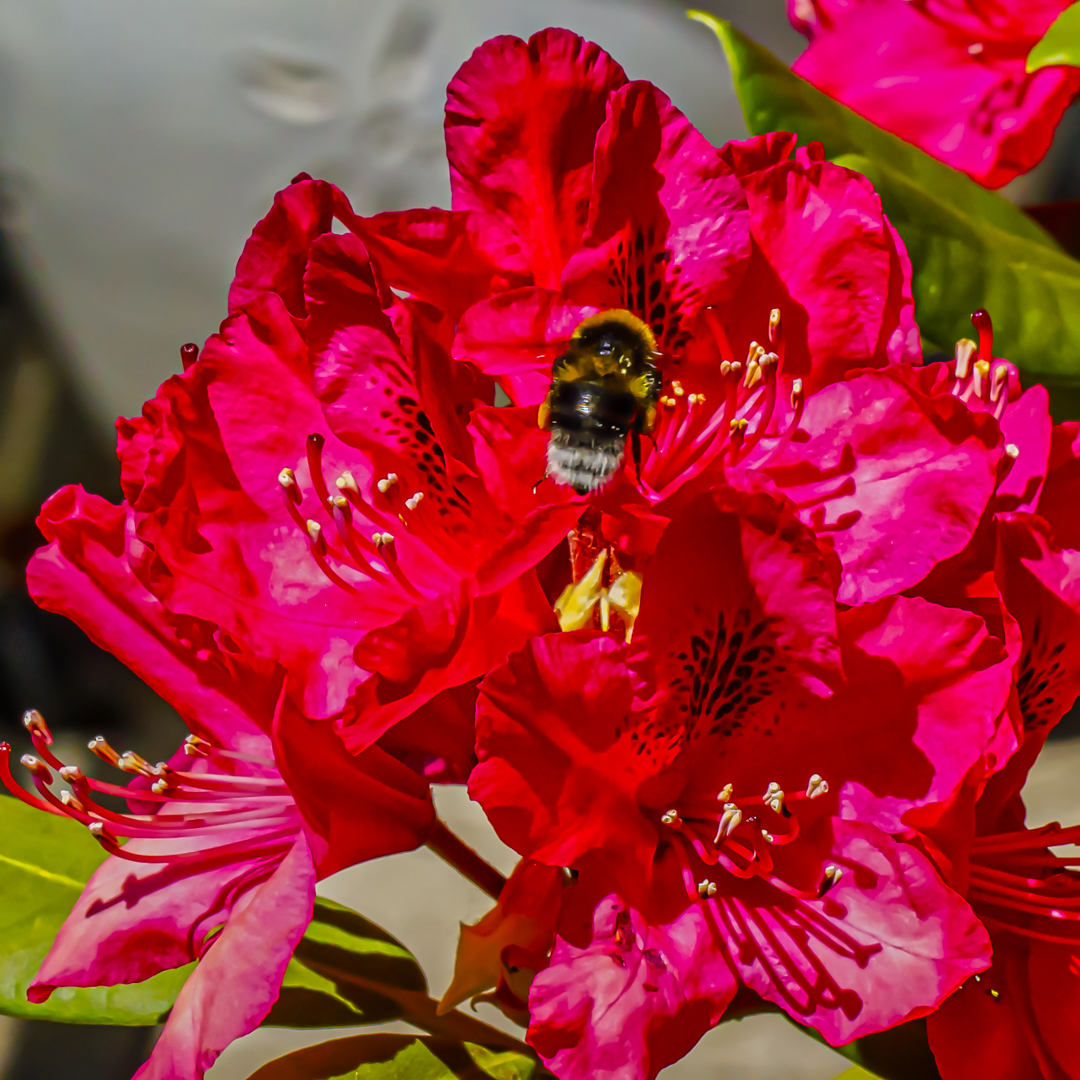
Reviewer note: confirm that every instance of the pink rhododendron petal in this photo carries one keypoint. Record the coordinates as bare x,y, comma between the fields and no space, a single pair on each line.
516,336
275,256
938,676
903,941
946,76
134,919
355,808
898,482
667,223
1026,424
448,642
987,1030
1039,587
521,120
414,247
554,773
1059,500
820,233
84,573
741,575
239,978
634,998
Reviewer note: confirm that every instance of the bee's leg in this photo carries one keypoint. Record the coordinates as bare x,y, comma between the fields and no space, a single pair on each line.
635,447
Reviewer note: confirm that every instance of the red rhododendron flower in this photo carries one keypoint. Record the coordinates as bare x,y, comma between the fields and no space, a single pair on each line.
326,484
726,785
225,843
946,75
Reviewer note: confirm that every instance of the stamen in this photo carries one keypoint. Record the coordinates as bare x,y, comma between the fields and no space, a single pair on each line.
725,793
346,482
101,749
730,820
314,531
676,388
315,443
189,353
980,377
774,327
287,480
965,350
999,382
387,482
706,889
1008,460
672,818
817,787
774,798
414,500
830,879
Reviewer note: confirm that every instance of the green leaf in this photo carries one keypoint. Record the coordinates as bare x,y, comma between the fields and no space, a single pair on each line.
345,971
44,863
1061,43
969,247
857,1072
398,1057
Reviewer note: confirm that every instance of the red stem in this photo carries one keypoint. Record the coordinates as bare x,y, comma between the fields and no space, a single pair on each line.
463,859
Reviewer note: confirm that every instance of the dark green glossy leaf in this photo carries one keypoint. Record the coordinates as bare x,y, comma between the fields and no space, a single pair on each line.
398,1057
1060,44
969,247
344,972
44,863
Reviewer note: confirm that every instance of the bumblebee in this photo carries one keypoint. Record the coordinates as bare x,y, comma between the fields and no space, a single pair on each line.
604,388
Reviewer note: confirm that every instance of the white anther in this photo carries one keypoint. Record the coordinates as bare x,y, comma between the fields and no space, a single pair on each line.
338,502
1012,450
346,482
817,787
725,793
159,787
692,399
999,381
767,835
980,378
676,388
706,888
965,350
736,368
796,392
96,828
725,367
738,426
381,539
730,820
975,48
71,774
287,480
774,797
672,818
414,500
314,531
829,879
753,374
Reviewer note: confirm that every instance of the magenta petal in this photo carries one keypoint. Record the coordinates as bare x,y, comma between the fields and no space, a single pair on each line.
948,77
85,574
898,483
521,120
239,977
636,998
516,336
668,223
889,942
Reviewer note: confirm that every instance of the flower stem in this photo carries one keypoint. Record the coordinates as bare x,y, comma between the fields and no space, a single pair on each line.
463,859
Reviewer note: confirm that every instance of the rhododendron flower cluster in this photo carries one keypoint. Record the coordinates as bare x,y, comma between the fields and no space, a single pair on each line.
946,75
755,712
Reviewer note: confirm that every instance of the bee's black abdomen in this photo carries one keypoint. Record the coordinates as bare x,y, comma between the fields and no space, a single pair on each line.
590,406
589,425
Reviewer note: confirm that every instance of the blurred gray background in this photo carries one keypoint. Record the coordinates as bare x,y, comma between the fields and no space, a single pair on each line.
140,140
